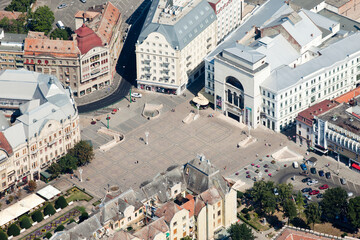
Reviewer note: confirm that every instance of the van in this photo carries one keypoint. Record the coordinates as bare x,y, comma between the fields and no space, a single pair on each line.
60,25
295,164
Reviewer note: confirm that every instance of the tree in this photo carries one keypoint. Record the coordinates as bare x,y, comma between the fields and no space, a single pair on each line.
334,203
49,210
263,194
240,232
59,228
289,209
42,20
25,223
186,238
60,203
312,213
64,34
54,169
3,235
32,185
300,202
37,216
83,217
19,5
10,198
354,211
13,230
285,191
48,235
68,163
83,151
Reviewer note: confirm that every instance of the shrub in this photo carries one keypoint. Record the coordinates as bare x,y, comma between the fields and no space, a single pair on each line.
61,203
240,194
71,220
49,210
83,217
48,235
245,210
59,228
251,208
13,230
247,216
25,223
3,235
37,216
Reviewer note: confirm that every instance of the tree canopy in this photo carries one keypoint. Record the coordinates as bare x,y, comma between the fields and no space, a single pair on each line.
354,211
13,230
299,202
32,185
263,194
334,203
25,223
3,235
289,209
83,151
68,163
14,25
312,213
19,5
42,20
285,191
60,203
64,34
240,232
49,210
37,216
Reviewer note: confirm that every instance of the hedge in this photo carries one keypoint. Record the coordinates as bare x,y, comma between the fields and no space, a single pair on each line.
248,223
48,235
13,230
59,228
61,203
25,223
49,210
3,235
37,216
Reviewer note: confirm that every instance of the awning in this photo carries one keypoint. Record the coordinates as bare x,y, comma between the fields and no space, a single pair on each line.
201,100
48,192
354,165
320,149
46,175
208,96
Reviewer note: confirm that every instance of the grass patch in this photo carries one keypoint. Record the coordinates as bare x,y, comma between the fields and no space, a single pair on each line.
96,203
253,222
76,194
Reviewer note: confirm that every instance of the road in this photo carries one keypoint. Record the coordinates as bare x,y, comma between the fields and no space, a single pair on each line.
126,66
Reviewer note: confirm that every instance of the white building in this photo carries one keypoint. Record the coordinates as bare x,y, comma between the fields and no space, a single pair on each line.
229,14
175,38
39,123
297,62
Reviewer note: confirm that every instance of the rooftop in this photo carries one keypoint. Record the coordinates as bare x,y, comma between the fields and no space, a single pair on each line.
307,4
337,3
346,97
10,14
87,39
346,24
151,230
109,19
307,116
292,234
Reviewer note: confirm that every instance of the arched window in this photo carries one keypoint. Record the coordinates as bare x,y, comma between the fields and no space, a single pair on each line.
234,82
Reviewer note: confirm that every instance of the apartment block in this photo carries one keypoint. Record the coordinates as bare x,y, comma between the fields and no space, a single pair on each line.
11,50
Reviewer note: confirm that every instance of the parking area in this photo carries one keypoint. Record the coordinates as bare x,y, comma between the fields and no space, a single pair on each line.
4,3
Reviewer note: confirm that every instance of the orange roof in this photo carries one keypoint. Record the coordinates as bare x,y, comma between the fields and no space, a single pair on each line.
4,144
291,234
307,116
189,205
346,97
10,15
86,14
109,19
37,44
87,39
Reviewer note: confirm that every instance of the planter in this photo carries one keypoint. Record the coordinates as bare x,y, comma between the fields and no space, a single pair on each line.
58,210
22,230
71,203
35,223
47,216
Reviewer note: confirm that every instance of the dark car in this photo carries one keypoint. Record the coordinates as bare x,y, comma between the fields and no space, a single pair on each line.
313,170
306,190
328,175
320,195
321,173
306,180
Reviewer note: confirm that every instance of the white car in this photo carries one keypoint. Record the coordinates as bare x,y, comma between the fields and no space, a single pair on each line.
307,196
350,194
136,95
312,182
61,6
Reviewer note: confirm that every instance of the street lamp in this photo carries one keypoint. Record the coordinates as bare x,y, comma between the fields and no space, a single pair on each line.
146,137
80,173
198,108
338,166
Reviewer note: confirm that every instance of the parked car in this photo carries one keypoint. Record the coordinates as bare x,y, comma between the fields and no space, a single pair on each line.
325,186
276,193
136,95
83,1
321,173
320,195
313,170
328,175
306,180
61,6
350,194
295,164
343,181
304,173
306,190
314,192
307,196
303,166
312,182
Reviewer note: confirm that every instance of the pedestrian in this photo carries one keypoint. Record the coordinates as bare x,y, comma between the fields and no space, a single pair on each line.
137,161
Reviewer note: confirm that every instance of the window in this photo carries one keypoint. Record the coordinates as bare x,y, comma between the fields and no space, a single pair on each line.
174,224
219,213
175,231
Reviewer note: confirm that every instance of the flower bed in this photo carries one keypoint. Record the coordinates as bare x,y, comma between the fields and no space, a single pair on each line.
49,227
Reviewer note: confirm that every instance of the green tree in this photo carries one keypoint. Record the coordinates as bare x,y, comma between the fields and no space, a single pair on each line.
42,20
19,5
240,232
263,194
354,211
48,235
285,191
59,228
64,34
54,169
68,163
289,209
312,213
37,216
49,210
13,230
334,203
83,151
60,203
186,238
3,235
32,185
25,223
83,217
299,202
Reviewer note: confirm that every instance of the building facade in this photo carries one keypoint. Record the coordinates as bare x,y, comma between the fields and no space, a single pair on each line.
271,79
11,50
172,44
39,124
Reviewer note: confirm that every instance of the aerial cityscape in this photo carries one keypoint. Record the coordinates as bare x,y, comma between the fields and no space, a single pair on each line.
179,119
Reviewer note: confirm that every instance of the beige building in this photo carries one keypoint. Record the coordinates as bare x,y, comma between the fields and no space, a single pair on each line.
176,36
11,50
87,62
39,123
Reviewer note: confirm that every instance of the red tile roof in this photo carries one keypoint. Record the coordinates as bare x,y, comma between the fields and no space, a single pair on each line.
10,15
86,14
346,97
291,234
168,210
109,19
87,39
189,205
307,116
4,144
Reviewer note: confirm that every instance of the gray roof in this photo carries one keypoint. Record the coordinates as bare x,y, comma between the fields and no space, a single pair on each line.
13,38
321,21
307,4
246,53
4,123
257,19
346,24
285,77
43,100
185,29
